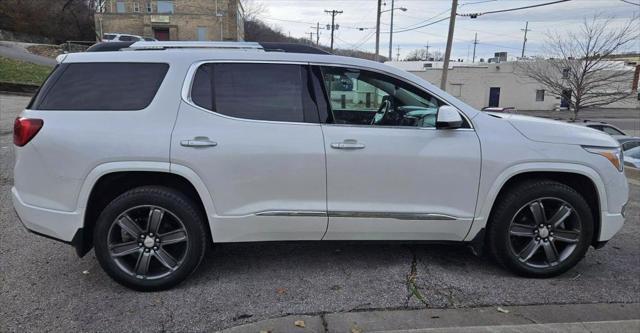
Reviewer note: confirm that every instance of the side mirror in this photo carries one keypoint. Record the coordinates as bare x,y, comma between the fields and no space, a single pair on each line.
448,118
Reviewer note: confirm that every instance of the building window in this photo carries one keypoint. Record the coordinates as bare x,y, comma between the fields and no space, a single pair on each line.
540,95
120,7
136,7
565,73
165,7
201,33
149,8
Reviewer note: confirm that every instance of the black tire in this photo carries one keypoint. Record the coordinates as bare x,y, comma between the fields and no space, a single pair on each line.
505,234
167,264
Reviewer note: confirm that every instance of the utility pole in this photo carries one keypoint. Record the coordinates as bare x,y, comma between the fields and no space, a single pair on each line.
427,55
311,37
524,42
377,56
475,42
333,21
398,54
391,30
447,52
317,27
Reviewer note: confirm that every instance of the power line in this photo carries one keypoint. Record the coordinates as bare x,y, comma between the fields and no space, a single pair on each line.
631,3
474,15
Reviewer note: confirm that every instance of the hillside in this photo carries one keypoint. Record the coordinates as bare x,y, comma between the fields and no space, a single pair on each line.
258,31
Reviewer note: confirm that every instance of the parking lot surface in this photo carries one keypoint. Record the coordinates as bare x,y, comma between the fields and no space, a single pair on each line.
45,287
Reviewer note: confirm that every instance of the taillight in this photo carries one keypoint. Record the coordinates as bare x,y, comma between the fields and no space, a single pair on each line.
24,129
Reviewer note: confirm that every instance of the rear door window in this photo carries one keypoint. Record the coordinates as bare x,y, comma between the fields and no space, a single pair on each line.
273,92
101,86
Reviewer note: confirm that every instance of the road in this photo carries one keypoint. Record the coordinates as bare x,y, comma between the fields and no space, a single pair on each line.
16,50
45,287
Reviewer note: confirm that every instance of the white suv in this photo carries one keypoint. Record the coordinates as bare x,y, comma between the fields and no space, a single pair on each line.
151,153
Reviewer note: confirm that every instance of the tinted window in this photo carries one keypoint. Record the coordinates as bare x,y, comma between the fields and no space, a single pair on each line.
101,86
630,145
254,91
361,97
108,37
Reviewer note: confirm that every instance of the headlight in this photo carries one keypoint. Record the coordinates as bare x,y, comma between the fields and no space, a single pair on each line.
614,155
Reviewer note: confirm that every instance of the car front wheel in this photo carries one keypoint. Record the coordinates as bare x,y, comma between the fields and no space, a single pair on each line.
150,238
540,228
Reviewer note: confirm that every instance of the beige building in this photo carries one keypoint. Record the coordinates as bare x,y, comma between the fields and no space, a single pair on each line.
202,20
497,84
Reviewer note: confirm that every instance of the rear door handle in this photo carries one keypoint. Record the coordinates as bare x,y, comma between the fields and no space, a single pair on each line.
198,141
347,144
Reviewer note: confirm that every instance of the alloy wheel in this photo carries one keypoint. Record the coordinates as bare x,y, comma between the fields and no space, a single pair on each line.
148,242
544,232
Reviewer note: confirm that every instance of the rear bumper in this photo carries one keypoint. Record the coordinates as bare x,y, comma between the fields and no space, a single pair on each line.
59,225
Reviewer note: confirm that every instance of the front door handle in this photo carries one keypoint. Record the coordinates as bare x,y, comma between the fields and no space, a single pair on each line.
198,141
347,144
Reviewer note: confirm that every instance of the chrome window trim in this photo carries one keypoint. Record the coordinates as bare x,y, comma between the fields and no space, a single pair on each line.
188,82
359,214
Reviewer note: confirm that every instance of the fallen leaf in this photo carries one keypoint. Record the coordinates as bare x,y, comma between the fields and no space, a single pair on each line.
281,291
356,329
265,331
299,323
85,272
502,310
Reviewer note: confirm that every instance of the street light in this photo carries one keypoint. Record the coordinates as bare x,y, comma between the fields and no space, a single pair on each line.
391,28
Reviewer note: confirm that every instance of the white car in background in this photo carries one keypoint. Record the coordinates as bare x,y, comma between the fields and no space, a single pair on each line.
632,157
217,142
116,37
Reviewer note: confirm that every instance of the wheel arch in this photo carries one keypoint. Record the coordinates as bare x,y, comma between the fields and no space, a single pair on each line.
579,177
107,182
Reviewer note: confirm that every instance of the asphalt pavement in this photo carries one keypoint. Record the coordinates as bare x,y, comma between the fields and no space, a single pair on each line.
45,287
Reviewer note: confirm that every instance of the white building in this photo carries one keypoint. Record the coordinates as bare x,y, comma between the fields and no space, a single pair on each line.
495,84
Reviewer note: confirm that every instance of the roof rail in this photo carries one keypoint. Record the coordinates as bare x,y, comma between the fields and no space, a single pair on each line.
207,45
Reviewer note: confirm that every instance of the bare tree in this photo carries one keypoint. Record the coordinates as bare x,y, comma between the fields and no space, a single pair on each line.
421,54
581,69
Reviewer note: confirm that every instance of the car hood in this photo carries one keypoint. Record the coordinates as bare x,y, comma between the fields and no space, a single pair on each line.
553,131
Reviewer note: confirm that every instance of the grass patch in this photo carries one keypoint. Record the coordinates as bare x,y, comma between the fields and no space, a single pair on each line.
16,71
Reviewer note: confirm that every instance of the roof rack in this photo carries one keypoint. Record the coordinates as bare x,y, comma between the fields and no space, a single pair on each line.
207,45
291,48
262,46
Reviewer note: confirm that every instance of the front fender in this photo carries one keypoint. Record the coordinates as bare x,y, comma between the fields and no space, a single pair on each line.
486,201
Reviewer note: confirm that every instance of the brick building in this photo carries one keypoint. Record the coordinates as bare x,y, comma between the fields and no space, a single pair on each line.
172,19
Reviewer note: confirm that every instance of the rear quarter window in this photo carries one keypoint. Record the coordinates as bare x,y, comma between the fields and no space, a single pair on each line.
101,86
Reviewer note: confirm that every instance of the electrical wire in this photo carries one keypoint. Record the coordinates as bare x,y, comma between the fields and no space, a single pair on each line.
474,15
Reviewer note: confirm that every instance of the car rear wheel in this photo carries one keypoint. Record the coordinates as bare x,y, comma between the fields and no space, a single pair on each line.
540,228
150,238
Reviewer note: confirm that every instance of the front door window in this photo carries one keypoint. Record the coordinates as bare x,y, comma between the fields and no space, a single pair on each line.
359,97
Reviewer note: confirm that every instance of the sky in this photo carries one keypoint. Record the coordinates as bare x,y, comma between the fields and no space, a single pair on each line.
496,32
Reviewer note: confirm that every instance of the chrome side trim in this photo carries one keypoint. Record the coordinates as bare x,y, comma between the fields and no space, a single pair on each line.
392,215
290,213
350,214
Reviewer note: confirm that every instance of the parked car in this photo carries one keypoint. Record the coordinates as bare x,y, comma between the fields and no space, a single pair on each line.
248,142
628,142
508,109
604,127
632,157
116,37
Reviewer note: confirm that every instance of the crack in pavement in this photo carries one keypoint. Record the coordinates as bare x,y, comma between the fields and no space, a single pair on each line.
412,287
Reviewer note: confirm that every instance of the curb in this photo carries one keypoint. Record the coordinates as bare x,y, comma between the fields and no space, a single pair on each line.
18,88
599,317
